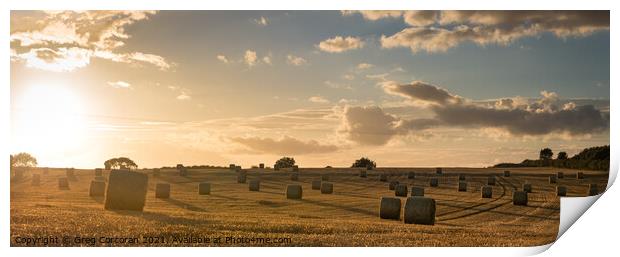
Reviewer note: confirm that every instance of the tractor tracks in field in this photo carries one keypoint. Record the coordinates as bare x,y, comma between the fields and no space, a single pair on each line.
501,182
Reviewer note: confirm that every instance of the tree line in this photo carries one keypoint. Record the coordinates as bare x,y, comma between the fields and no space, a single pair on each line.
593,158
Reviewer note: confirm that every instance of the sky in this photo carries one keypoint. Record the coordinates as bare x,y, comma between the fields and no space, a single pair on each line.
404,88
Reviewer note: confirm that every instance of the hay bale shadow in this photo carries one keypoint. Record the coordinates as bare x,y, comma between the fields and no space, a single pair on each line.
184,205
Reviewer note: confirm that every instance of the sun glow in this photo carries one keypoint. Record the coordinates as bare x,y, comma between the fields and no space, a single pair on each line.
48,121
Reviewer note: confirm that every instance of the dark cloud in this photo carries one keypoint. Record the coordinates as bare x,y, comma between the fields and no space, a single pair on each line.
371,125
368,125
421,91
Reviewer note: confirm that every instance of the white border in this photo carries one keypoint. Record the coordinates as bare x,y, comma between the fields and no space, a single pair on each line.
594,233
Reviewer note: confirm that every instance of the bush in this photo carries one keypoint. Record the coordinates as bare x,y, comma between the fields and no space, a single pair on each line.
284,162
364,162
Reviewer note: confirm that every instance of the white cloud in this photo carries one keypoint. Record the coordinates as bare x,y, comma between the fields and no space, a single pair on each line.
318,99
184,96
262,21
295,60
222,58
250,58
119,84
267,59
339,44
66,40
363,66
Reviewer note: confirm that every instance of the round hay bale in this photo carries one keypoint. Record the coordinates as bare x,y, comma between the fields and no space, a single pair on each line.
63,183
438,170
363,174
261,166
254,185
580,175
383,177
70,172
400,190
294,176
461,177
560,190
327,188
419,210
462,186
486,192
491,181
527,187
316,185
293,191
241,177
506,173
183,172
393,185
162,190
204,188
553,179
560,174
389,208
592,189
519,198
434,182
36,179
324,177
98,172
126,190
411,175
97,188
417,191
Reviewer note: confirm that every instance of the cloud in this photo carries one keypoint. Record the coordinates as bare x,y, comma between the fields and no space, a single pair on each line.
363,66
421,91
368,125
541,116
284,146
374,15
262,21
222,58
57,60
413,18
339,44
295,60
62,41
184,96
250,58
318,99
267,59
119,84
438,32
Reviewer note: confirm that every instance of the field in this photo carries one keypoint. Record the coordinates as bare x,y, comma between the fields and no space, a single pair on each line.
348,217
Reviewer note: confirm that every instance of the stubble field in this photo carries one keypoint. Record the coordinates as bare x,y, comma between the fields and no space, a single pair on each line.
348,217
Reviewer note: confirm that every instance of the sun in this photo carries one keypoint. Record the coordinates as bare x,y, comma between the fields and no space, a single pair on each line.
48,120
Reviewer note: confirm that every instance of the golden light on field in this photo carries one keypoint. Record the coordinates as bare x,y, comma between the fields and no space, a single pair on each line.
49,119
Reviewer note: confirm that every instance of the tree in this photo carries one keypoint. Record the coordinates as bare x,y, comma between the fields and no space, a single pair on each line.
120,163
284,162
364,162
546,154
23,160
562,156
